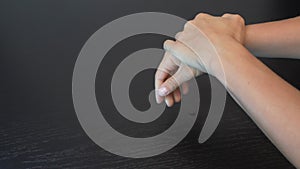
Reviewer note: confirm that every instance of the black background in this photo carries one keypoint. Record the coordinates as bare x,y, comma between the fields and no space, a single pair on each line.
39,44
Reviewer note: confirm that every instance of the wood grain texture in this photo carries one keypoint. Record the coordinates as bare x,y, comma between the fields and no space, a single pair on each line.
56,140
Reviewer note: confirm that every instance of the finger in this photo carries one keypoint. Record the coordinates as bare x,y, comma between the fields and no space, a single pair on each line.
188,26
183,53
159,99
185,87
166,67
169,100
230,15
178,35
203,16
168,63
177,95
226,15
183,74
160,77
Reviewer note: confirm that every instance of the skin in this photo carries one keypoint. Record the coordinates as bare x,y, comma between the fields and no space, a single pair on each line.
271,102
279,39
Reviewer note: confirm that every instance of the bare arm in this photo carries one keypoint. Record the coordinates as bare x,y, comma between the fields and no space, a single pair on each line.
279,39
271,102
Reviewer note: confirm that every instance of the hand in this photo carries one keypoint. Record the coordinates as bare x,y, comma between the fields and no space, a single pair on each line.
170,74
202,46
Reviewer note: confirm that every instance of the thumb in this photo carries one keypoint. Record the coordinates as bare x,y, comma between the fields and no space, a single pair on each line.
183,74
183,53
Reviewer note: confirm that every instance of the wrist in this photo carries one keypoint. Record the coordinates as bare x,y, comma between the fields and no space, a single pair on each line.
230,60
225,54
250,38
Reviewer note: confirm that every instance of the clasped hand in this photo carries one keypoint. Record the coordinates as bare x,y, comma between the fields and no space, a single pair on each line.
202,47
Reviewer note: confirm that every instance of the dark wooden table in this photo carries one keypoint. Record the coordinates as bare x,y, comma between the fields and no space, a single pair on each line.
39,44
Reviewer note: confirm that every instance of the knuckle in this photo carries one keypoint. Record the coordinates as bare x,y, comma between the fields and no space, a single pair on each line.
201,16
241,20
178,35
172,83
188,24
235,18
156,75
238,18
195,72
166,44
226,15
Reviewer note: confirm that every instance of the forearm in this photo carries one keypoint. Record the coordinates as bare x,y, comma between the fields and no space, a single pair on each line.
215,47
279,39
272,103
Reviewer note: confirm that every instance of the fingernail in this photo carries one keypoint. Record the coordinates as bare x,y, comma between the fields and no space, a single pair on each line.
159,100
163,91
167,102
